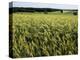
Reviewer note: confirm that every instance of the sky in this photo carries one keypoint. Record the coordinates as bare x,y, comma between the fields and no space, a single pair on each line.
44,5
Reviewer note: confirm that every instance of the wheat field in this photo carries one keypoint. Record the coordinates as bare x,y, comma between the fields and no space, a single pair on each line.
39,34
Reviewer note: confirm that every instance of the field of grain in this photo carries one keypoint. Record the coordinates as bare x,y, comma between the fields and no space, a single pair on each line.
39,34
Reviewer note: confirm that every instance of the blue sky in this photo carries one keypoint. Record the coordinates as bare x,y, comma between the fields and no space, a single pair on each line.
44,5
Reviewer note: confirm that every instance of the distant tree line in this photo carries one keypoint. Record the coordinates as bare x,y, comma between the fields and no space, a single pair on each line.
75,12
44,10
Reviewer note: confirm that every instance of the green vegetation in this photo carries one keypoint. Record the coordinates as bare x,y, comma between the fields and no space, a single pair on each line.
39,34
